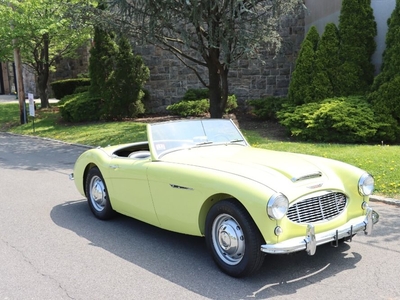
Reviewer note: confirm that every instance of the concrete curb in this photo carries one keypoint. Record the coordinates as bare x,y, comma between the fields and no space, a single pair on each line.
390,201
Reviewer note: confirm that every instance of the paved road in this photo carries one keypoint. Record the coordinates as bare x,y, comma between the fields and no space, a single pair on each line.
51,247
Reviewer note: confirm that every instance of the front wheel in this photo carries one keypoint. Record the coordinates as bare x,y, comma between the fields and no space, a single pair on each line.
233,239
97,195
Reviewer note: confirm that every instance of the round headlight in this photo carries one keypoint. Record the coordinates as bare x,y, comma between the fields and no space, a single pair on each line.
366,185
277,206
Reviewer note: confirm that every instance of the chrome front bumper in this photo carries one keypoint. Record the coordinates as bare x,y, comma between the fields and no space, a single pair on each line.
71,176
311,240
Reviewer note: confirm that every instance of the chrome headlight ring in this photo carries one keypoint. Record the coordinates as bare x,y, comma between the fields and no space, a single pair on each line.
366,184
277,206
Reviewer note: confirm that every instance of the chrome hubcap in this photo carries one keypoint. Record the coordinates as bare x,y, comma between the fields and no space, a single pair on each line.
228,239
98,195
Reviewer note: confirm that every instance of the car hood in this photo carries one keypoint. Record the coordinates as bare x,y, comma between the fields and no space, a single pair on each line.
277,170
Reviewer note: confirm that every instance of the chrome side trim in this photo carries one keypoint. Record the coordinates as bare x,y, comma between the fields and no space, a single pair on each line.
311,240
174,186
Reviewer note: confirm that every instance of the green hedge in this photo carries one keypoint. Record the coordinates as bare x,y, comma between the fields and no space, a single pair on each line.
266,108
198,107
80,108
341,120
62,88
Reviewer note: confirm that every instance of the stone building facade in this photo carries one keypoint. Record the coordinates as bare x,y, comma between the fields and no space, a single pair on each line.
248,78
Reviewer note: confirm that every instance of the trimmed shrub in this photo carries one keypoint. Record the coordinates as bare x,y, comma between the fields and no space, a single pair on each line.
81,89
342,120
62,88
196,94
190,108
266,108
80,108
198,107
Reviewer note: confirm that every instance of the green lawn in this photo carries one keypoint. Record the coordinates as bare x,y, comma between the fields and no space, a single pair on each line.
383,161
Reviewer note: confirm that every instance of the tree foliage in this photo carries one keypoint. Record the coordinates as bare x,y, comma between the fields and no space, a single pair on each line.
101,61
357,29
300,88
385,97
43,32
327,62
206,33
126,83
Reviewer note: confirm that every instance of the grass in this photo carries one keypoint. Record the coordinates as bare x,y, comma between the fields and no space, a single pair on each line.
383,161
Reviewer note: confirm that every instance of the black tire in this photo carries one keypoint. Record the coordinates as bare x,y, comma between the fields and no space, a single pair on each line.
233,239
97,195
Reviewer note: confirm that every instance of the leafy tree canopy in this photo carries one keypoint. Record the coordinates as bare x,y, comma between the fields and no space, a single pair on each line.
43,31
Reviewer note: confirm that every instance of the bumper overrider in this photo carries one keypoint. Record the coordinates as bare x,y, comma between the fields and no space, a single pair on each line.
310,241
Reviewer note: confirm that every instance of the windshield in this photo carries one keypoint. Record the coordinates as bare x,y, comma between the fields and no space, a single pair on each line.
171,136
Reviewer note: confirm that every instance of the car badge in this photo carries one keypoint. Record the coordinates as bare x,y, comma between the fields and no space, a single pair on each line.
315,186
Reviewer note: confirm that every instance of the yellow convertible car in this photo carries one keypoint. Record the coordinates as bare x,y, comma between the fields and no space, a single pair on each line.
201,177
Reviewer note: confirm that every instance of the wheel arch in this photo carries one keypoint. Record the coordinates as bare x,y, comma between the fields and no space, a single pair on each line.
212,200
85,174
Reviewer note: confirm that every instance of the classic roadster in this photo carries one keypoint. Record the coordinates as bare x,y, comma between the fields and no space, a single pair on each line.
201,177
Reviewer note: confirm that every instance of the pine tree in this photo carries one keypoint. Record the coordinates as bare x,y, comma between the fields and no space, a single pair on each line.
385,98
300,88
313,37
357,29
326,64
101,62
127,82
390,59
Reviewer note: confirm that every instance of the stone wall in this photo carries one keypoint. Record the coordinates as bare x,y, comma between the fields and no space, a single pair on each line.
248,79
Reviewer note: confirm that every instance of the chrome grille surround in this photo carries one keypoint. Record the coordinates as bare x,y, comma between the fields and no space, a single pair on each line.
317,207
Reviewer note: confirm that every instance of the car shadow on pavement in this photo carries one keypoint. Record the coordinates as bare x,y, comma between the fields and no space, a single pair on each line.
184,259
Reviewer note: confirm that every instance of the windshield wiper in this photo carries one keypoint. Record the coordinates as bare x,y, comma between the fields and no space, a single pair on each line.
204,143
236,141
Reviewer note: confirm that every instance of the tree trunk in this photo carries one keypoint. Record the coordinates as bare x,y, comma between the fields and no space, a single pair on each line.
20,85
218,88
42,89
43,70
218,84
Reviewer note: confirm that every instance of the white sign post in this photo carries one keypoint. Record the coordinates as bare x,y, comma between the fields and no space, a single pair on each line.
32,109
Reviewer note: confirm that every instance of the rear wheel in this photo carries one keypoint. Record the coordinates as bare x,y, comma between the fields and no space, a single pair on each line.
97,195
233,239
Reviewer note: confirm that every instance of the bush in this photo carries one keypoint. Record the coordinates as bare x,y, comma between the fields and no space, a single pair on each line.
198,107
190,108
82,89
386,104
343,120
62,88
196,94
80,108
266,108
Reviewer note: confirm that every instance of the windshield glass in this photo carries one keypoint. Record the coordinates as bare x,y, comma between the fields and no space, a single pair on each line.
171,136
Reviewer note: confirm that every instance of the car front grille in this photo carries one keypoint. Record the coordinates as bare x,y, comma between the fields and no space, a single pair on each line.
318,208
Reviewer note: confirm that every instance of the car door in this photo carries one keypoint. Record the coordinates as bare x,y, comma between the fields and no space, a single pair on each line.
130,193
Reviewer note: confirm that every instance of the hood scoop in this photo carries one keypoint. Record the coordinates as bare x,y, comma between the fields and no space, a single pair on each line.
307,176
